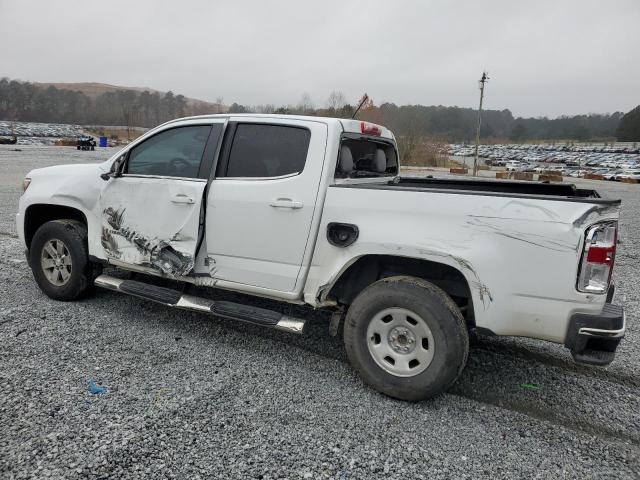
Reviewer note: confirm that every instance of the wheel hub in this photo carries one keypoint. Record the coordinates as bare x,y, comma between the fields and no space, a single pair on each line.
56,262
402,340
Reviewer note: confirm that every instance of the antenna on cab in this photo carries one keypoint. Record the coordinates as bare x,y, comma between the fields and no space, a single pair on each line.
363,100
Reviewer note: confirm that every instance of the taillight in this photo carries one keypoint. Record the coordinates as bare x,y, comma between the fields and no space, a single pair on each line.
598,257
370,129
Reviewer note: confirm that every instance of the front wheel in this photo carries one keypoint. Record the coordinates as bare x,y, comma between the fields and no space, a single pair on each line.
59,259
406,338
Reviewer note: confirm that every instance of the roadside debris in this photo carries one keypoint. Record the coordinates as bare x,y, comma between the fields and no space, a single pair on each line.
529,386
96,389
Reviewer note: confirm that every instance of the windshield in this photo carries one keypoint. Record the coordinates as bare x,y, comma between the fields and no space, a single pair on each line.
366,157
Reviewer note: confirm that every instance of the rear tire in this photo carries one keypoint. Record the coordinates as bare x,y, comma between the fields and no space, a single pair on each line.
406,338
59,260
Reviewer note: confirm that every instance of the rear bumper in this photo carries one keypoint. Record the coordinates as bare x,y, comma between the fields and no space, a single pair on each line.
593,339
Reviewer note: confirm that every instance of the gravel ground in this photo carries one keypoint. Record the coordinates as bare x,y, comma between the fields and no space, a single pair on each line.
191,396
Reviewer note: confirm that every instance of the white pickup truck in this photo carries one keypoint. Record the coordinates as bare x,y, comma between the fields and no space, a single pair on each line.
312,211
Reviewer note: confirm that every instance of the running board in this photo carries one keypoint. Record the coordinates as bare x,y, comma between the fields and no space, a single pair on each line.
230,310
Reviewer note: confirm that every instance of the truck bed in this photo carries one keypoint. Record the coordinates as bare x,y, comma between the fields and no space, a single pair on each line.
541,190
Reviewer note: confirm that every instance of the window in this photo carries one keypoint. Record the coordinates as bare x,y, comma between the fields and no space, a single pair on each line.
173,153
366,158
260,150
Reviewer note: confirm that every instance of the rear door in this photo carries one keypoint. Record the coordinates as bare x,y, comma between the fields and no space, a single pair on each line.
151,215
262,201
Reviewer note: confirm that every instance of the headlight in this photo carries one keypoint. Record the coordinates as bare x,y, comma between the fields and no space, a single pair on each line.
25,184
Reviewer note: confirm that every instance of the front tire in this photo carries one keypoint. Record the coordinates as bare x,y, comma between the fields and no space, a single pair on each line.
59,260
406,338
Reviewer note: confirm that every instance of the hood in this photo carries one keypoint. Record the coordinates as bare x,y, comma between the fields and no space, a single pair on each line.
81,169
76,186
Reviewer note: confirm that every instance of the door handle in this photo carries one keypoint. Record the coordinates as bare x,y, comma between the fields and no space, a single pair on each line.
182,198
286,203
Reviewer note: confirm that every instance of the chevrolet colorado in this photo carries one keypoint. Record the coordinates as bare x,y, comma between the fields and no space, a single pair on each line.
312,211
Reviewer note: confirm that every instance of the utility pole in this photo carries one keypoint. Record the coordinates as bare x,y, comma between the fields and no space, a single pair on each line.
481,83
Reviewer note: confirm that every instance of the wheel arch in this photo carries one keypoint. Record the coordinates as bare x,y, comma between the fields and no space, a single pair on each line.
38,214
367,269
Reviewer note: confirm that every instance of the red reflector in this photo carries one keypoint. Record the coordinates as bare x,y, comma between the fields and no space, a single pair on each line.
370,129
600,254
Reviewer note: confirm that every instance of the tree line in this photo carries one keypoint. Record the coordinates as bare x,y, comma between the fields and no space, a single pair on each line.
24,101
456,124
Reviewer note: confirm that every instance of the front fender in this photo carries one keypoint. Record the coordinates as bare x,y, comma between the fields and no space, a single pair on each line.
71,186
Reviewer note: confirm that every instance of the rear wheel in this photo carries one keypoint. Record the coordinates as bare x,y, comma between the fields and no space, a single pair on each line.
406,338
59,259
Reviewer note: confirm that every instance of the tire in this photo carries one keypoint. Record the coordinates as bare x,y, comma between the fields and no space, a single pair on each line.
440,338
68,239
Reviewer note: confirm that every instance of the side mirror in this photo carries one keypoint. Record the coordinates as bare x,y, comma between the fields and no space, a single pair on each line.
116,168
108,175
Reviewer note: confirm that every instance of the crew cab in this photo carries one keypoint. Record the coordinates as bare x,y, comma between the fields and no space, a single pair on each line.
313,212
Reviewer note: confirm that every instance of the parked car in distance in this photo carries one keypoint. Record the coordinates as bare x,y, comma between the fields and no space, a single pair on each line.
530,167
612,174
630,174
8,140
513,165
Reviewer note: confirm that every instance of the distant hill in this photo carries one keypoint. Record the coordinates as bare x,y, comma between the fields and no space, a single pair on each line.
94,103
95,89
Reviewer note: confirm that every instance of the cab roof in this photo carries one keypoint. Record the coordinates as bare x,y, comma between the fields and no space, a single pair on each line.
347,124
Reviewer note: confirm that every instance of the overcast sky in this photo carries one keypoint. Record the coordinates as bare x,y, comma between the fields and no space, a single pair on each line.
544,57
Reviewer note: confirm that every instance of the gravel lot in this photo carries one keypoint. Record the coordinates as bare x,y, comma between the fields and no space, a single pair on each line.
191,396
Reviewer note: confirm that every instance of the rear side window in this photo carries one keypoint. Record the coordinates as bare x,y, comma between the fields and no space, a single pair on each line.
173,153
366,158
260,150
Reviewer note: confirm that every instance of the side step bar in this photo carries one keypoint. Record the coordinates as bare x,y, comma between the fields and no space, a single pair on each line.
231,310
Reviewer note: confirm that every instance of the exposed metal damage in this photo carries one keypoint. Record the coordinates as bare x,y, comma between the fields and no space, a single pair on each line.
151,252
483,290
526,237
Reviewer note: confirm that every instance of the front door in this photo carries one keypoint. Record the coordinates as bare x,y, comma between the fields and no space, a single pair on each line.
151,214
262,201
